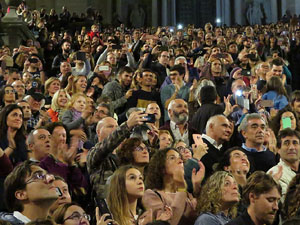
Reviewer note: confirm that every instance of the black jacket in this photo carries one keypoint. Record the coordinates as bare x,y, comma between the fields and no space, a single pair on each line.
243,219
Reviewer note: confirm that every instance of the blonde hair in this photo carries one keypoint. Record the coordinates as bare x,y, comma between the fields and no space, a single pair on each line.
210,197
76,78
74,98
48,83
54,104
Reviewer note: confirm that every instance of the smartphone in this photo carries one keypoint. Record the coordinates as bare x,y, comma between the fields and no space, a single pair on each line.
246,72
267,103
33,60
103,208
58,191
80,56
150,118
286,122
103,68
220,55
198,139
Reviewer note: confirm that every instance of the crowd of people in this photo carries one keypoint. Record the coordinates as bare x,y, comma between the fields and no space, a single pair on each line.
116,125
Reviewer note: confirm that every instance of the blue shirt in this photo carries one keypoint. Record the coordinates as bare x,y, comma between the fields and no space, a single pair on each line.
253,149
208,218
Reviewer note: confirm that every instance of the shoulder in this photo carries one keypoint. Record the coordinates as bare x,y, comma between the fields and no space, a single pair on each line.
207,219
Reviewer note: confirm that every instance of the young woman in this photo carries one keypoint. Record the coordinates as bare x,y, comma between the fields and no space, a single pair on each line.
79,84
166,187
218,199
59,105
125,189
52,85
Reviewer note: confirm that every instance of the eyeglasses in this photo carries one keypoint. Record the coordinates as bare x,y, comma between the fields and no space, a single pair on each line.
77,217
39,176
140,148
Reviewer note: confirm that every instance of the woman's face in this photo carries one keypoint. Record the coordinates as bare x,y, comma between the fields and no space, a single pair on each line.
165,141
54,87
62,99
96,81
141,154
80,104
173,161
230,193
184,151
134,183
75,215
81,84
284,122
239,163
26,77
14,119
9,95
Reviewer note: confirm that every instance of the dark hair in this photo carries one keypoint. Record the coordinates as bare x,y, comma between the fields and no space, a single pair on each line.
225,160
295,96
59,213
275,84
275,122
124,153
20,135
16,181
145,70
156,168
179,68
107,106
42,222
276,62
291,203
208,94
2,93
126,69
288,132
259,183
51,126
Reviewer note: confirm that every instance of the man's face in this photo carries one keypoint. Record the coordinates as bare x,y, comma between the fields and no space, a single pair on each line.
173,76
238,85
289,151
13,77
65,67
233,49
108,126
265,206
255,132
38,190
221,129
41,143
66,46
26,110
296,105
34,104
179,112
277,70
216,66
112,59
59,135
19,87
126,78
164,58
146,79
181,62
101,112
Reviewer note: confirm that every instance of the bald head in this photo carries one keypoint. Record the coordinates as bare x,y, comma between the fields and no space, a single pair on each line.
105,127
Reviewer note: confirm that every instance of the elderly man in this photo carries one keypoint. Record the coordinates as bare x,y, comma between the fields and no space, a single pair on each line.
253,128
101,160
289,150
178,125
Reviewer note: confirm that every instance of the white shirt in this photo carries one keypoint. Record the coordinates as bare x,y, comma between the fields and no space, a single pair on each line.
212,141
177,135
21,217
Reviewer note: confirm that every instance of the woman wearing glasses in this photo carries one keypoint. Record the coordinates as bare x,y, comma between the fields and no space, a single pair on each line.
167,187
7,95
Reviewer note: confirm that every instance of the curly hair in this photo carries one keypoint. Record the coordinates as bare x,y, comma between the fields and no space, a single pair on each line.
291,203
156,168
210,197
124,153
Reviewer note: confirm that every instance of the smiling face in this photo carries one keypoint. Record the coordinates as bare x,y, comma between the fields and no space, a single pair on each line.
62,99
238,162
134,183
81,84
14,119
289,150
54,87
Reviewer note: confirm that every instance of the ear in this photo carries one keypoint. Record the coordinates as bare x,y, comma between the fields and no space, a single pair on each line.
252,197
21,195
227,168
243,133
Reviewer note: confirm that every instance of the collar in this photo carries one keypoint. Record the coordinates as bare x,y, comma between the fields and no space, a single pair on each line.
174,126
253,149
212,141
21,217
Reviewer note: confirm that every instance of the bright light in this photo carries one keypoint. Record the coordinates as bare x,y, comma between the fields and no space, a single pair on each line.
179,26
218,20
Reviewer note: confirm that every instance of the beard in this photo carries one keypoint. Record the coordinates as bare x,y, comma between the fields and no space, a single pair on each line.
180,118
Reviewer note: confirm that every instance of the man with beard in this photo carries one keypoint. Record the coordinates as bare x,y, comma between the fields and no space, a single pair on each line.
262,195
218,131
118,90
253,129
178,125
26,110
64,56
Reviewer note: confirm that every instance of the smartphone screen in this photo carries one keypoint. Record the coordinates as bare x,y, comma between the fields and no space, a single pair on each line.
286,122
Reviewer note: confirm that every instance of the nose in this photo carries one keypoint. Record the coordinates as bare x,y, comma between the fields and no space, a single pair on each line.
49,178
275,205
